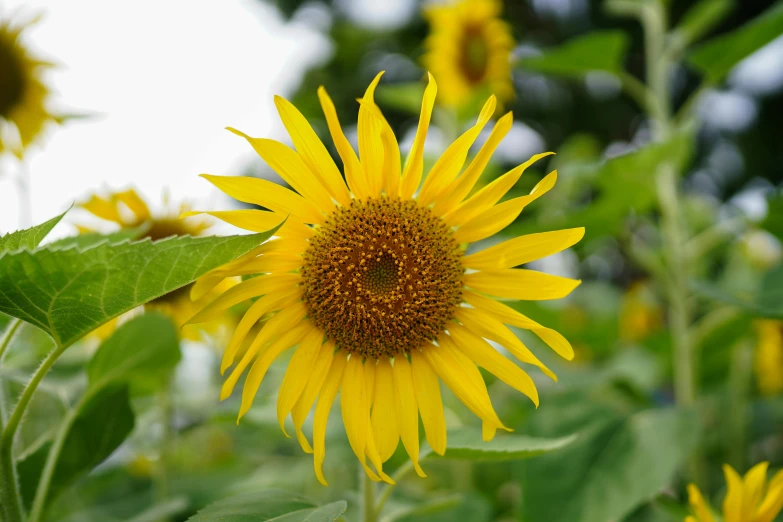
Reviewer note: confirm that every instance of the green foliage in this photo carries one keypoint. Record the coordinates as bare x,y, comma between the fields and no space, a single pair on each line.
269,506
611,468
466,444
68,293
92,239
766,301
718,56
101,424
702,18
597,51
28,238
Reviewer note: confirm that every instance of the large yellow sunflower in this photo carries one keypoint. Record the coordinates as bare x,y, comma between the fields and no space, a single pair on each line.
371,281
128,210
748,499
469,50
23,111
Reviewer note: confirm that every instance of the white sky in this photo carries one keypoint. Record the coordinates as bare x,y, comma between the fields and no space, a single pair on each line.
163,79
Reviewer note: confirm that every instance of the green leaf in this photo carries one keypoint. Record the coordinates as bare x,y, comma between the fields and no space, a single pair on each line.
143,350
718,56
701,19
596,51
611,469
268,506
28,238
92,239
101,425
68,293
466,444
773,222
766,302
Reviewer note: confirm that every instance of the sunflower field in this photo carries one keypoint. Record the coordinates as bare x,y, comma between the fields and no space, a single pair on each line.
367,261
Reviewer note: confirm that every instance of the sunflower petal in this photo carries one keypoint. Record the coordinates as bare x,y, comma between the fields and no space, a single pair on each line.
320,370
258,221
297,375
322,409
370,143
407,410
384,417
427,388
520,283
355,410
732,504
698,505
414,165
523,249
312,150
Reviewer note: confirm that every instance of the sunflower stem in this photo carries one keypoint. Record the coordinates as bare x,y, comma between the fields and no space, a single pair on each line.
9,489
369,509
739,383
400,474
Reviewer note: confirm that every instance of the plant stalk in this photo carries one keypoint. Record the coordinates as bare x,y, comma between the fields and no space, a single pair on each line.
369,511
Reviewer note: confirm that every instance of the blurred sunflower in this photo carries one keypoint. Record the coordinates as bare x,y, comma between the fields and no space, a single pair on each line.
129,211
769,356
370,280
640,313
469,50
23,112
748,499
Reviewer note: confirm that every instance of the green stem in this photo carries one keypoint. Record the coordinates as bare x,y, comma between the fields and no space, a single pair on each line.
8,336
163,489
369,510
398,475
739,382
9,490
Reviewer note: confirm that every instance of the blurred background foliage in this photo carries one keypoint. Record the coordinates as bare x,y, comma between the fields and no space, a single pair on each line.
577,64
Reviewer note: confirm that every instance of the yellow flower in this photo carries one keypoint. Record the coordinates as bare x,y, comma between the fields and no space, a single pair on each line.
370,280
748,499
23,112
640,313
769,356
469,50
128,210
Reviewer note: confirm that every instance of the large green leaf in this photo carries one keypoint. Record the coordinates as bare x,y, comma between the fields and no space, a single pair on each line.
718,56
610,470
70,292
268,506
92,239
466,444
100,426
596,51
28,238
143,350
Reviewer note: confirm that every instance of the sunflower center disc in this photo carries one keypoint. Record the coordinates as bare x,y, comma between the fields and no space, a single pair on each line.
12,78
475,55
382,276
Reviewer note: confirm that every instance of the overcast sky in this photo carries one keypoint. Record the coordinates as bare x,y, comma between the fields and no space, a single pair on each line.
162,80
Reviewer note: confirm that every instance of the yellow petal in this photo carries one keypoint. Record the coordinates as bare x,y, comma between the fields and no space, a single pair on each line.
290,166
103,209
462,186
464,379
407,409
355,410
772,503
245,290
267,194
282,322
370,143
510,316
427,388
484,325
267,304
754,482
451,161
354,174
132,200
732,504
491,221
483,354
523,249
325,400
300,368
257,372
384,417
414,165
259,221
520,283
492,193
391,162
312,150
699,506
320,370
272,263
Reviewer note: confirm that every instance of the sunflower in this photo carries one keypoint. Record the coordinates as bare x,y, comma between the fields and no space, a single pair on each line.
469,50
640,313
23,112
128,210
370,280
769,356
748,499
